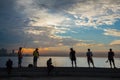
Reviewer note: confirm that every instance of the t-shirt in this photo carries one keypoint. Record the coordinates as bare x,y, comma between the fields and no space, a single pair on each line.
89,54
72,55
19,54
110,55
35,53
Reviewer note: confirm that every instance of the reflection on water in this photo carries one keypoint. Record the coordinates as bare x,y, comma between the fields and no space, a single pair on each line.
59,61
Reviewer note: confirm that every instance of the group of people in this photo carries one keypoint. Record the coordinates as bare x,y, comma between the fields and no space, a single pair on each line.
35,54
9,63
72,55
89,55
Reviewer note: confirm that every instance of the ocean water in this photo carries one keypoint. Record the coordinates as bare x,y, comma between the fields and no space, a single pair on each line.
59,61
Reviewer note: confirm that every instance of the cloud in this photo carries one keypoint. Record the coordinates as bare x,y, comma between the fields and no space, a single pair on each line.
79,12
83,13
115,42
112,32
95,13
46,19
90,44
38,14
39,22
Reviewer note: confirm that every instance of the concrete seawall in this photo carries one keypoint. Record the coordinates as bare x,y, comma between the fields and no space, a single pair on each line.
62,71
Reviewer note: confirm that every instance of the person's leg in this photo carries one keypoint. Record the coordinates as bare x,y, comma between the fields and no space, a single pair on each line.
72,62
34,61
9,70
19,62
52,67
88,62
110,63
48,68
92,62
113,63
75,63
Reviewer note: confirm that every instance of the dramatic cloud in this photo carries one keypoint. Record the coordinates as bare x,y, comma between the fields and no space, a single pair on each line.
95,13
75,13
112,32
54,23
115,42
80,13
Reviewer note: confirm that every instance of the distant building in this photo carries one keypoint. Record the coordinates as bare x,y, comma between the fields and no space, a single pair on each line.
3,51
13,51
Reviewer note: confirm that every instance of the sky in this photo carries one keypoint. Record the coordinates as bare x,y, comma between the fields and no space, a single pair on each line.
57,25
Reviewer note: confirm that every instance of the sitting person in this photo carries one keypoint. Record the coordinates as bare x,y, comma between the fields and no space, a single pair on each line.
50,67
30,65
9,64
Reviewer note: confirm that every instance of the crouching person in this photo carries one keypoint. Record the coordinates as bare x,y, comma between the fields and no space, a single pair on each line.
50,67
9,64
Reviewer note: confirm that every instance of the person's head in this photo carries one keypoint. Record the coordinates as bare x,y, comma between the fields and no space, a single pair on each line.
71,49
9,59
110,49
36,49
20,48
50,59
88,49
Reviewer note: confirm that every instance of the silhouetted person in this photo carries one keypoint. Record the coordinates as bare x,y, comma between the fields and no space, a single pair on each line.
35,57
111,58
9,64
73,57
50,67
89,55
20,56
30,65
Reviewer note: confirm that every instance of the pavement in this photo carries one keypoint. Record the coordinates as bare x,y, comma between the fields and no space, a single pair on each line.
60,73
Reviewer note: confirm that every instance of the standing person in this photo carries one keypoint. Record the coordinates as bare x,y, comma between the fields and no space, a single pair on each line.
20,56
35,57
50,67
9,64
73,57
111,58
89,55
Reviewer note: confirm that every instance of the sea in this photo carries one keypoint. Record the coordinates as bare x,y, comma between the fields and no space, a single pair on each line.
99,62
